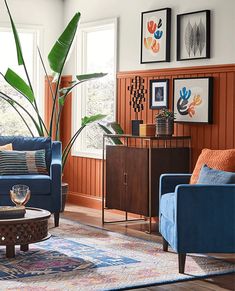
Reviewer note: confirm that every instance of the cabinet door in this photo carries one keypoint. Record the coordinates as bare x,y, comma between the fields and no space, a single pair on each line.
115,178
137,180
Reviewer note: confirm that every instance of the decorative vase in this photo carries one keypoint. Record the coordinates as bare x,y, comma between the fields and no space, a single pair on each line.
64,190
136,126
164,127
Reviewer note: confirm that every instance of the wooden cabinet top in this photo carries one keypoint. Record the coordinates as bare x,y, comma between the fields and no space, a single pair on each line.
149,137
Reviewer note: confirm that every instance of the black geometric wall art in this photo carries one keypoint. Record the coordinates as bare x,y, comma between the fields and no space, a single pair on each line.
137,93
193,35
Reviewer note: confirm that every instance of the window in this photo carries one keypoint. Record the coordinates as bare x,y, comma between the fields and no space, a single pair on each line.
10,121
96,52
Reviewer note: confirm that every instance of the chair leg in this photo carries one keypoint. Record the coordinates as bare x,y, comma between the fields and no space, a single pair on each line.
181,258
165,245
56,218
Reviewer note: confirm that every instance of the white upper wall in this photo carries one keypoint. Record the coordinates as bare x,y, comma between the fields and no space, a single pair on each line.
129,13
53,15
45,14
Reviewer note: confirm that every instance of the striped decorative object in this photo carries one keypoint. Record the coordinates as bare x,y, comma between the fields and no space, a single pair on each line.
22,162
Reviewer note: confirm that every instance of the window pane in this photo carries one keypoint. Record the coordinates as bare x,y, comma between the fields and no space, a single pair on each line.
10,122
99,94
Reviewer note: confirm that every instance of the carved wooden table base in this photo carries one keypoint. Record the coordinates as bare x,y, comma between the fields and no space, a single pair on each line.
23,231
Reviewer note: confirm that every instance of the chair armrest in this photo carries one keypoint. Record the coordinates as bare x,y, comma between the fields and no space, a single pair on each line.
168,182
56,172
205,215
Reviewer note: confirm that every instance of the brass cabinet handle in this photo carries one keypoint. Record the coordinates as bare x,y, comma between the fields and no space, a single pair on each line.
125,178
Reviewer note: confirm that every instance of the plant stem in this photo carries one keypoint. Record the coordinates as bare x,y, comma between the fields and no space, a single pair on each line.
61,108
57,91
45,71
69,146
32,118
25,122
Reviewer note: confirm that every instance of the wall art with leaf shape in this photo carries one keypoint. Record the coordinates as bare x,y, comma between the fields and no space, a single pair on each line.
192,100
155,36
193,35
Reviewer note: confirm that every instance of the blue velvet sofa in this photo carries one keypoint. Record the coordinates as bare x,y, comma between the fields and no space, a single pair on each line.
45,189
196,218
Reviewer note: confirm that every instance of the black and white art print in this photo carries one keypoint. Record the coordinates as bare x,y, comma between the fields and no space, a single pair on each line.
193,35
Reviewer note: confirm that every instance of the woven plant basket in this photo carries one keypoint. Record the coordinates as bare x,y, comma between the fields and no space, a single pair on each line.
64,190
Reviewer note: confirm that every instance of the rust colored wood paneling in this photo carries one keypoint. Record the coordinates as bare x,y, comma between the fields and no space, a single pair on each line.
85,175
220,134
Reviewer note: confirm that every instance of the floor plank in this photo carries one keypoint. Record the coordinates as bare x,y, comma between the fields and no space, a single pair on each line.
138,229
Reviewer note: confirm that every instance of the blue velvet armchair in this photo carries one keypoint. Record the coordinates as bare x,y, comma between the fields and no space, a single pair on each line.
196,218
45,189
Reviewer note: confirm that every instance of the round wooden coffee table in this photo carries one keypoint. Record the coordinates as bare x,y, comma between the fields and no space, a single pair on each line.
24,231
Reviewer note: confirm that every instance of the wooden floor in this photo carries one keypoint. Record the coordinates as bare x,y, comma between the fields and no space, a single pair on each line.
93,217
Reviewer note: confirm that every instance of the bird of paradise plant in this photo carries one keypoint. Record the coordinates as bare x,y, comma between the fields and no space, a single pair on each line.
57,59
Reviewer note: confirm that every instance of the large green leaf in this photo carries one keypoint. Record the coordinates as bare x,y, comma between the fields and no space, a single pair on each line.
16,37
58,54
81,79
117,127
85,77
115,140
89,119
19,84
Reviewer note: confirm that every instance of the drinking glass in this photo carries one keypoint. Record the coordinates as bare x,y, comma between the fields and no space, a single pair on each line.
20,194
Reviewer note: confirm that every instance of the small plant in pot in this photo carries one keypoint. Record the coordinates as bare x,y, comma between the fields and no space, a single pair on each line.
165,122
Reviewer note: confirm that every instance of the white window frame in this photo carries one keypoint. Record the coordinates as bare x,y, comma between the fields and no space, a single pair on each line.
38,74
79,97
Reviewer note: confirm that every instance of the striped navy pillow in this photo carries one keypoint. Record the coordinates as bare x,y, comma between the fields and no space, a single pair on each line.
22,162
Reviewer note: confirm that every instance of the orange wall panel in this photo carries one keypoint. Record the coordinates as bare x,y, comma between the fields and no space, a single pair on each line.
85,175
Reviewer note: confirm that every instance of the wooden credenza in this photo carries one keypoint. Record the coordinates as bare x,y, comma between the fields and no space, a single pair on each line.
133,170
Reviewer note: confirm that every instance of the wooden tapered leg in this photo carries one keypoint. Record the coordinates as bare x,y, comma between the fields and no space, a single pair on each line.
56,218
181,258
165,245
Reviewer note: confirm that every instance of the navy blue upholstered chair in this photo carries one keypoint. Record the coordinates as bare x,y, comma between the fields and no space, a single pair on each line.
196,218
45,189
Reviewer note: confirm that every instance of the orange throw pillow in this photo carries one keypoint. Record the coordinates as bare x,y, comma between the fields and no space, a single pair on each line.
6,147
223,160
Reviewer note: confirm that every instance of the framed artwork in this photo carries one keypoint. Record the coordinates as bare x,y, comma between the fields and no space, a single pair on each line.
192,99
159,94
193,35
155,36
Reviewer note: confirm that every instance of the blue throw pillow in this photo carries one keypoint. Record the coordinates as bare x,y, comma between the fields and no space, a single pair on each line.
212,176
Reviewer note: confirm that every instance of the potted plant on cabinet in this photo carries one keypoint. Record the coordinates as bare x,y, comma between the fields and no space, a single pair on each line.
57,59
165,122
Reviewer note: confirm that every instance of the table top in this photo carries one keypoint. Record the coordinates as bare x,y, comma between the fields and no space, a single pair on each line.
32,214
173,137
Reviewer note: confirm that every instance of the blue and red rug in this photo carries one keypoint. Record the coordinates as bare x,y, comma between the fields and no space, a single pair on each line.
79,257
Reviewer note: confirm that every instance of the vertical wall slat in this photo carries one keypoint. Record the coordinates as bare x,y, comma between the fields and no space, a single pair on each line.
230,109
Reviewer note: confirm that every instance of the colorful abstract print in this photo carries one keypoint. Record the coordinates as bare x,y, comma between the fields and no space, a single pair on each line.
184,106
153,35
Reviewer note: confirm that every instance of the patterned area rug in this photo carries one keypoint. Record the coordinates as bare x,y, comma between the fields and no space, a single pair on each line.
79,257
